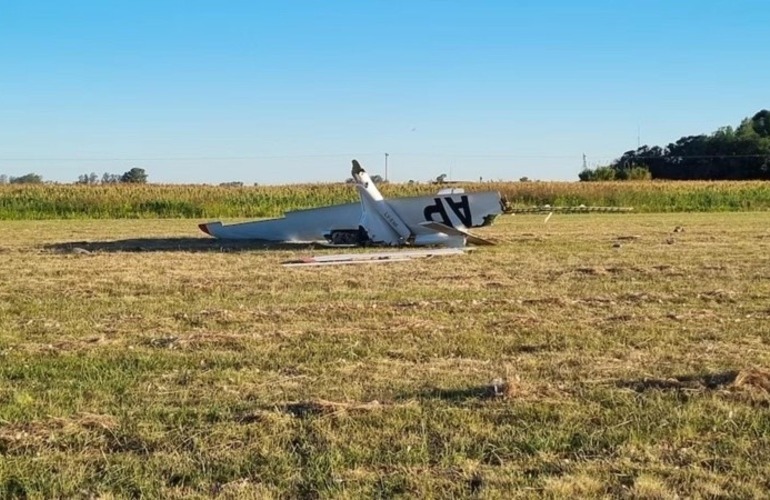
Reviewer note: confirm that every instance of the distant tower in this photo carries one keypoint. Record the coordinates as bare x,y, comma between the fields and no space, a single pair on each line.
386,167
585,166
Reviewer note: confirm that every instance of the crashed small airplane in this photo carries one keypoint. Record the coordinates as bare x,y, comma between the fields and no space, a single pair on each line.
440,220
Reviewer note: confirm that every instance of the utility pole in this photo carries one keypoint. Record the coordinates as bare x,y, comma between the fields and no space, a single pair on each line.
386,167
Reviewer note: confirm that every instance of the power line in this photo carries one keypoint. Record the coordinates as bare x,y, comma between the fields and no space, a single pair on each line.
187,158
279,157
351,155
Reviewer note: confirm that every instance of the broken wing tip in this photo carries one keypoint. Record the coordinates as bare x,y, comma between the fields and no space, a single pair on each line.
205,228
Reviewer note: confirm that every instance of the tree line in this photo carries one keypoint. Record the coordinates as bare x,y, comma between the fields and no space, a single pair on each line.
135,175
740,153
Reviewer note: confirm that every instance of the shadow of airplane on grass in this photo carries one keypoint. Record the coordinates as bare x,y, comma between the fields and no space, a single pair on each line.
710,381
175,245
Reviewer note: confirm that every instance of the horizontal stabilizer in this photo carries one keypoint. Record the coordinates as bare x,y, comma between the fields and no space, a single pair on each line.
454,231
567,210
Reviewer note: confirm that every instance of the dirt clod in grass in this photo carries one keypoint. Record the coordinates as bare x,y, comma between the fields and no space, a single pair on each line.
508,388
591,271
163,342
476,483
757,378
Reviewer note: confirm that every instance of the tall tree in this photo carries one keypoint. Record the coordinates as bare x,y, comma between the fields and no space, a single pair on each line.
136,176
761,123
108,178
91,178
30,178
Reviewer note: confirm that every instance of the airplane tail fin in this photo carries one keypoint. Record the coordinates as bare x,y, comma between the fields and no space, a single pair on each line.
363,180
379,219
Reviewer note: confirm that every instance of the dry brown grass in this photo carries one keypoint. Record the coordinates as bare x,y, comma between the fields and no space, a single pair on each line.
554,364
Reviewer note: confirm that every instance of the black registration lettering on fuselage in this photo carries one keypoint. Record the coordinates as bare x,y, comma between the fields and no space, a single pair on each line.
461,209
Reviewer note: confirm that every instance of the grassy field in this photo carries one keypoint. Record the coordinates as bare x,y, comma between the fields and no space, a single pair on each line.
631,361
53,201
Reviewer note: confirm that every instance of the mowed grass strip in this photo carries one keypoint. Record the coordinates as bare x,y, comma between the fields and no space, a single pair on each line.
595,355
67,201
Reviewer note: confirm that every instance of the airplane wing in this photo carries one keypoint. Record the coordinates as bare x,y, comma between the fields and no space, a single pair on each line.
309,225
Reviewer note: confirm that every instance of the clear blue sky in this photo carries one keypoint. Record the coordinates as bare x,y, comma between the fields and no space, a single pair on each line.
290,91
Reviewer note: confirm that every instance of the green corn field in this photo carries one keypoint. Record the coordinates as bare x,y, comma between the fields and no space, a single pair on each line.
59,201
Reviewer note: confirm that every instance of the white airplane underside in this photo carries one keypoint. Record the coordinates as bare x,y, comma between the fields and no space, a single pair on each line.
443,219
